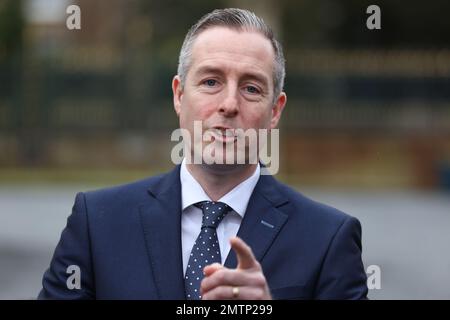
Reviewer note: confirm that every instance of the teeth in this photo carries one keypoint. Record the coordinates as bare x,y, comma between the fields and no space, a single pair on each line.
228,133
224,132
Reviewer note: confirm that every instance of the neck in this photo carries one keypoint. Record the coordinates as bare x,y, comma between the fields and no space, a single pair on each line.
218,180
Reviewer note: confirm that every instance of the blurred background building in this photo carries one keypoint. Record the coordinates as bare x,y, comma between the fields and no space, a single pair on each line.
366,128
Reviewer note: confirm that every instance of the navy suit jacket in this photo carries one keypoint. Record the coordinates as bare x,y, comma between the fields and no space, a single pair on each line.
126,240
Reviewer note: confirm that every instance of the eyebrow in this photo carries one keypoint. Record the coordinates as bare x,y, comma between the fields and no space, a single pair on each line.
247,75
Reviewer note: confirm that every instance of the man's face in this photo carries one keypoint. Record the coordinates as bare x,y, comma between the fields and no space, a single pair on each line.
229,84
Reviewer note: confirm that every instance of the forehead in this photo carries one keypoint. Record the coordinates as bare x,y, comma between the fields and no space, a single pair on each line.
233,49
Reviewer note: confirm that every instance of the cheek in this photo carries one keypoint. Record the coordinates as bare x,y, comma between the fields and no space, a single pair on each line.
194,108
258,118
198,107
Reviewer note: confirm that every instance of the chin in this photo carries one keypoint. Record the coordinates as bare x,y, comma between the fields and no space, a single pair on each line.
223,168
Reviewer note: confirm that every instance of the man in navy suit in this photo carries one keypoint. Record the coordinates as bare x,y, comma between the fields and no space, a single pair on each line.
143,240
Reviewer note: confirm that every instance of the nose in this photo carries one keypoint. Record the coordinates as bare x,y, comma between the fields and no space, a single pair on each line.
229,106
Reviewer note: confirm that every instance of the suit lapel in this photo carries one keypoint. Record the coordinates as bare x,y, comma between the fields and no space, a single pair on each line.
161,222
260,226
262,221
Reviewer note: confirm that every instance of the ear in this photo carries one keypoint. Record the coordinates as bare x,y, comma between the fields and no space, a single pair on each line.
277,109
177,94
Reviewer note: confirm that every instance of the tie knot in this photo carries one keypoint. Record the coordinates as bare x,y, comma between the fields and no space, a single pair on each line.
213,213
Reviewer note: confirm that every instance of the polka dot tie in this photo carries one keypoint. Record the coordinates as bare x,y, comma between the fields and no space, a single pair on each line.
206,248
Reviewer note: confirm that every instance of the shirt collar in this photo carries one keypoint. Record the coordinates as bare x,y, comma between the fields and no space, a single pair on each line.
238,198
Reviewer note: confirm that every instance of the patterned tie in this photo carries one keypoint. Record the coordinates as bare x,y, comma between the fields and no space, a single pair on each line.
206,248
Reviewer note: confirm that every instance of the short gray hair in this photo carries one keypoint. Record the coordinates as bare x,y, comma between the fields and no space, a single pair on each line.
237,19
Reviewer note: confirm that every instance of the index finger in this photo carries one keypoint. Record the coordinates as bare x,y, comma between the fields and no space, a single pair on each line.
245,257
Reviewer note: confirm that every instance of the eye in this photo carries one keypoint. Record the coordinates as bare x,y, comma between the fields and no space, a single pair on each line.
252,89
210,82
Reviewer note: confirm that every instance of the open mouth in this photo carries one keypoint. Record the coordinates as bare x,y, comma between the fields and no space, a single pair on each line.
223,134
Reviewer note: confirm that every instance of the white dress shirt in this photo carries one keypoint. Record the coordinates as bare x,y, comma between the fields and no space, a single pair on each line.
191,218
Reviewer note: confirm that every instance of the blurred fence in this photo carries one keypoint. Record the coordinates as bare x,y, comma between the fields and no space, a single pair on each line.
68,96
